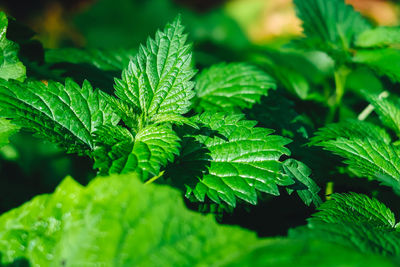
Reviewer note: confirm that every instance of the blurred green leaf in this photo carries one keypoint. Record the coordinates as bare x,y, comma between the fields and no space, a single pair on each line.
385,61
331,23
6,130
378,37
104,222
10,66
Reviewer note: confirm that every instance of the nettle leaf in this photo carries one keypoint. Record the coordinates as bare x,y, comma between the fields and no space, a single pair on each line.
332,22
101,59
385,61
388,110
7,129
10,66
367,150
351,129
231,87
305,187
65,114
379,37
103,223
354,220
229,158
366,156
157,80
356,208
113,146
120,152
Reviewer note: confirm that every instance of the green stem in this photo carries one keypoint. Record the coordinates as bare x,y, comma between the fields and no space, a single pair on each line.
340,76
368,110
154,178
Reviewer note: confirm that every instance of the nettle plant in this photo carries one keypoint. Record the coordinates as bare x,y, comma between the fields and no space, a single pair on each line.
166,124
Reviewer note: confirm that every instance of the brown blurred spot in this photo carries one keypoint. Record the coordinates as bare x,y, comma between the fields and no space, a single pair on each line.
380,11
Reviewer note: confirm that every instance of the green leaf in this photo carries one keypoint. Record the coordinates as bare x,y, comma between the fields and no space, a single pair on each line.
101,59
354,220
379,37
367,156
231,87
280,252
113,146
157,80
351,129
388,110
103,223
305,187
229,158
297,70
119,152
67,115
385,61
356,208
362,237
10,66
6,130
332,22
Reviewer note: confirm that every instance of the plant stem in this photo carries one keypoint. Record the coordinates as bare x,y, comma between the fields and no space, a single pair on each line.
328,190
368,110
154,178
340,76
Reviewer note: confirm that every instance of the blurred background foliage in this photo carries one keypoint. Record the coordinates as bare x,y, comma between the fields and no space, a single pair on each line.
84,23
236,30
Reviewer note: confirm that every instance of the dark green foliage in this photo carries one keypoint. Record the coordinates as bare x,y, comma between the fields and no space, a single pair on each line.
231,139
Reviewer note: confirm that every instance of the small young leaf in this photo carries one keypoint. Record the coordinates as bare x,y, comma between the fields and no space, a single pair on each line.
157,80
305,187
